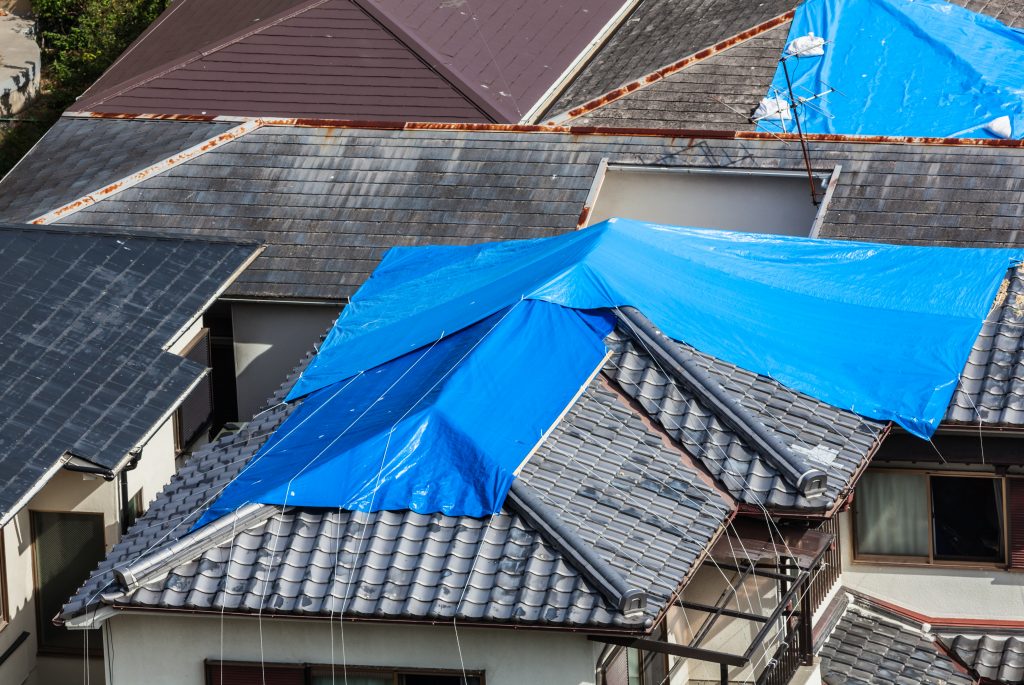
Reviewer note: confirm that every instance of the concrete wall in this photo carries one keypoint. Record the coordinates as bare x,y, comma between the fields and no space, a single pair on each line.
270,339
169,649
939,592
760,203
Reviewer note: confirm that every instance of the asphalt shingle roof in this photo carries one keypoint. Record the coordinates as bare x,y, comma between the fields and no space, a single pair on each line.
995,657
869,648
602,472
393,60
84,320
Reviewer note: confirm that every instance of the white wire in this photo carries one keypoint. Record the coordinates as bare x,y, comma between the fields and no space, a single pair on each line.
472,571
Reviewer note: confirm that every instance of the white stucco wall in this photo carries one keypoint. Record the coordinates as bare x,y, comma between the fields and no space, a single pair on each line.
170,649
938,592
270,339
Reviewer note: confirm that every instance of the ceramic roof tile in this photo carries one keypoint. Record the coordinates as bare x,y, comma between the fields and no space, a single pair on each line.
997,657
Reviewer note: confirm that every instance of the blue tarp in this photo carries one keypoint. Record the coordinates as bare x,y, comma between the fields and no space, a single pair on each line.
443,428
904,68
881,330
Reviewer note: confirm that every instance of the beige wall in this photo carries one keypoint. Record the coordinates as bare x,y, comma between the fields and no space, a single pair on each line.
270,339
758,203
170,649
939,592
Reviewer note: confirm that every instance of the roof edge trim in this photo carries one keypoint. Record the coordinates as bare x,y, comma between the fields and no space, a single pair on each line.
807,479
152,170
882,606
685,133
607,580
655,76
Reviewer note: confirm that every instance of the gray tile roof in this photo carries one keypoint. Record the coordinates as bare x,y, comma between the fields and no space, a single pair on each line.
602,472
84,319
718,93
836,441
659,32
78,156
991,388
868,647
996,657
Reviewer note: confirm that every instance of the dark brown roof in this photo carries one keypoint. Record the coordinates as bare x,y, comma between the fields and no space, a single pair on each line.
392,60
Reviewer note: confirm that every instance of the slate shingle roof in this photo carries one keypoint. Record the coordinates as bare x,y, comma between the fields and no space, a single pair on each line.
718,93
602,472
836,441
329,201
659,32
996,657
84,320
81,155
869,648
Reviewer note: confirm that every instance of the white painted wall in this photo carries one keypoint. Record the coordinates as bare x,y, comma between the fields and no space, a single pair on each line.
270,339
168,649
766,204
939,592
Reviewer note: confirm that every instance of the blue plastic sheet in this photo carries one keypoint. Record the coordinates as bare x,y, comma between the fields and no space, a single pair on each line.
881,330
443,428
904,68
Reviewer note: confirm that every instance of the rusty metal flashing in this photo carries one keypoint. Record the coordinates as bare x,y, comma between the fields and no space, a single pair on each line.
673,133
679,65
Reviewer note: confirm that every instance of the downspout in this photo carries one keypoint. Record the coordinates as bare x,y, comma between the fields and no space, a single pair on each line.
130,466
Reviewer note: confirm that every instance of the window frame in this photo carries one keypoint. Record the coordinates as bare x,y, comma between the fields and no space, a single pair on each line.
310,670
930,561
96,647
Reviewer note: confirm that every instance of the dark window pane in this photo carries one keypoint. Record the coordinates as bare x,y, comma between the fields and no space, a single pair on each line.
423,679
967,518
254,674
67,548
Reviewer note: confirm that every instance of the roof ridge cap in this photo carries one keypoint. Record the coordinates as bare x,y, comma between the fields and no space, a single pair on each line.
808,480
607,581
134,574
175,64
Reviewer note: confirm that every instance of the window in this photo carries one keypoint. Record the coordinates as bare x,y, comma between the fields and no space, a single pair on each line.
66,548
134,510
932,518
751,200
235,673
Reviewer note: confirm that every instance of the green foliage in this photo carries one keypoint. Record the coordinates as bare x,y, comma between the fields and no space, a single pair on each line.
80,39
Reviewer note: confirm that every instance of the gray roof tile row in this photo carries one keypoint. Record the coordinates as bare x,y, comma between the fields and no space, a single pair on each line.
997,657
836,441
622,489
871,648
